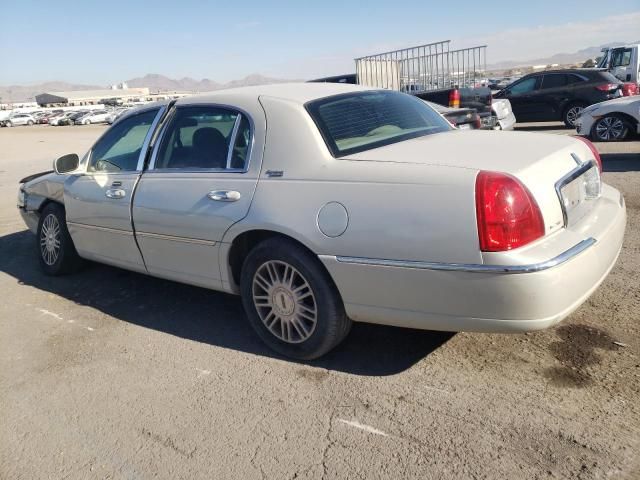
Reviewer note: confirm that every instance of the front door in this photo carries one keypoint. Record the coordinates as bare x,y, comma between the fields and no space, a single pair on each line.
524,99
98,201
201,181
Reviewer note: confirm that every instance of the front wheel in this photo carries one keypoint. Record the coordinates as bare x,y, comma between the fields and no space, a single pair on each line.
9,124
571,114
610,128
291,301
56,251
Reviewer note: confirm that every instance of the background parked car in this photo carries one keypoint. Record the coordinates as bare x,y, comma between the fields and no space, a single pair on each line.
20,119
47,116
559,94
97,116
462,118
610,121
115,114
55,121
71,118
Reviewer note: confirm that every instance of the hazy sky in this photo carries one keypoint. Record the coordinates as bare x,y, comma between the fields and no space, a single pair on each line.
102,42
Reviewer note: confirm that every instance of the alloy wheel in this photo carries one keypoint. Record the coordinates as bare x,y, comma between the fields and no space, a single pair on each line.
573,113
50,242
284,301
610,128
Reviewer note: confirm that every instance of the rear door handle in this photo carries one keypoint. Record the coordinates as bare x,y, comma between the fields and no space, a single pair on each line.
115,193
224,195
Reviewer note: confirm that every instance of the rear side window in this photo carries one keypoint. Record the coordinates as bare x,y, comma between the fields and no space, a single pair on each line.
572,79
199,138
553,80
355,122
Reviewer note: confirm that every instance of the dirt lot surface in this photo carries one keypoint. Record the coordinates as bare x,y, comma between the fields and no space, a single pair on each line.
111,374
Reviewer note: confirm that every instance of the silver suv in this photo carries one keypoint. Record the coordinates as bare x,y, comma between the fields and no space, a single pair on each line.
20,119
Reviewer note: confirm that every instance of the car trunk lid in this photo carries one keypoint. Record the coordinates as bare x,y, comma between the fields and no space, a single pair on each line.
540,162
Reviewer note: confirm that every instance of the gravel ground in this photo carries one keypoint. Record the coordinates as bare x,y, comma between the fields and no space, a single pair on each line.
111,374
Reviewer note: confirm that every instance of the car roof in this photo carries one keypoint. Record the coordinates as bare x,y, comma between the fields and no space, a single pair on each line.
579,71
296,92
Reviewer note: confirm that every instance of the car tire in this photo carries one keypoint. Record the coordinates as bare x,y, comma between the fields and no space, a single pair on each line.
610,128
571,113
9,124
57,254
291,301
30,123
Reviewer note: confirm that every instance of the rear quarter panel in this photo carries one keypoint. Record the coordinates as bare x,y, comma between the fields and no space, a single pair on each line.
395,210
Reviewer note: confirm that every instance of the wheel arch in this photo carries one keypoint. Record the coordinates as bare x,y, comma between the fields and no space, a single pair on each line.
234,252
632,121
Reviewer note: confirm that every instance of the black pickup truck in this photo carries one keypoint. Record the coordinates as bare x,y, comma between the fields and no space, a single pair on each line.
478,98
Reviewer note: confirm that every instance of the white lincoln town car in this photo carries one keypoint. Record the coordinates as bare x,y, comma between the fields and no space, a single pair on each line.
324,204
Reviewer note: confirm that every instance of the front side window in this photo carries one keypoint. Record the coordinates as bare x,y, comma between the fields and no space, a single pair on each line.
118,150
553,80
198,137
525,86
355,122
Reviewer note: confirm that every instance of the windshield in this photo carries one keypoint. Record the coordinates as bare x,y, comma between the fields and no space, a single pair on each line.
355,122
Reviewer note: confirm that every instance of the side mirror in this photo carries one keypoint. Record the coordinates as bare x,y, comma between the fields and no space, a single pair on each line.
66,163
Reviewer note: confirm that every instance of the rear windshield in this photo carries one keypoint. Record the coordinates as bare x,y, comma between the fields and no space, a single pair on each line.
355,122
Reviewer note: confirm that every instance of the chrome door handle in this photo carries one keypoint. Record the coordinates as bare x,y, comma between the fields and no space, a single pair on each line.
224,195
115,193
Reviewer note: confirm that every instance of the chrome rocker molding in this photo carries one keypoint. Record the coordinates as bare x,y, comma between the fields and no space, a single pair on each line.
474,267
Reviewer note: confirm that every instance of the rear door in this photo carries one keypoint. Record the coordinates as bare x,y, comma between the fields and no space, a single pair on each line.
98,202
201,180
554,94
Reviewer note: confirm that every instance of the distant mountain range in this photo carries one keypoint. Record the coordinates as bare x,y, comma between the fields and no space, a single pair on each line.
559,58
155,82
161,83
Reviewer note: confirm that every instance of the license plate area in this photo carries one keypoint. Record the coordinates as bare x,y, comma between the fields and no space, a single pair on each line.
578,191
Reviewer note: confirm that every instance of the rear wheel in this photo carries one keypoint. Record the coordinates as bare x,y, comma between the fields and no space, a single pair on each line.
9,124
291,301
56,251
610,128
571,114
30,122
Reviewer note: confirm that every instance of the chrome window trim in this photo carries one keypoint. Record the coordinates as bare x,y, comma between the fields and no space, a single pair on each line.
158,142
568,178
147,139
232,140
475,267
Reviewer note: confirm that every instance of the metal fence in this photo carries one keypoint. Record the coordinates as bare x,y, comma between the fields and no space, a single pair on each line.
423,68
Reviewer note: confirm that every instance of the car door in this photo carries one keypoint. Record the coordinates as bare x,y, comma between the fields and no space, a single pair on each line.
621,64
523,98
195,189
98,201
554,95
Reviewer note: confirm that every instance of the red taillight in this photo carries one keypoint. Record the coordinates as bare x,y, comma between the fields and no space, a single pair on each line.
454,98
507,214
607,86
629,89
594,150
